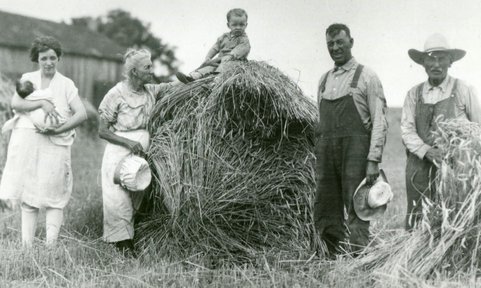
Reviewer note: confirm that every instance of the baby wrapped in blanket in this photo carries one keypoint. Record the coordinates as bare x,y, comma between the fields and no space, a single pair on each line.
26,90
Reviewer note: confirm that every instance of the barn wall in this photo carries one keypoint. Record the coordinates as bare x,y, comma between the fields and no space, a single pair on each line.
86,72
15,62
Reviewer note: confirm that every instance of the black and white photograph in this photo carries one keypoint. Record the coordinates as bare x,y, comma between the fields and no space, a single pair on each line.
240,143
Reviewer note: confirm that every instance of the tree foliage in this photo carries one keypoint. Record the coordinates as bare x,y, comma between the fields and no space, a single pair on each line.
129,31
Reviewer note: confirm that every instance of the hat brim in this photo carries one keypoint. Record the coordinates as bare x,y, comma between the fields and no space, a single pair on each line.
418,56
118,170
363,211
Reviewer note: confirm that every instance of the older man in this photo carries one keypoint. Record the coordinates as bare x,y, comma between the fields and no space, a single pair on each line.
350,141
443,95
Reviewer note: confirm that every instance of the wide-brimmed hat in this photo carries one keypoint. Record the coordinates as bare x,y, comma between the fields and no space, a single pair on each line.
133,173
435,42
371,202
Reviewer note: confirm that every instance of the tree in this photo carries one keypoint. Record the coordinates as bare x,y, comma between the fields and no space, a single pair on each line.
129,31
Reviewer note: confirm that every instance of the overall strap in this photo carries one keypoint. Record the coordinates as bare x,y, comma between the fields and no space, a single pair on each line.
455,86
357,75
355,79
419,93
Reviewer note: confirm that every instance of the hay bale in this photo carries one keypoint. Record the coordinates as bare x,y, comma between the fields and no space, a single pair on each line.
233,165
446,242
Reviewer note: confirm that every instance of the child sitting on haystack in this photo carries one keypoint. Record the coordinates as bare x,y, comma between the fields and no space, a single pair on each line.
233,45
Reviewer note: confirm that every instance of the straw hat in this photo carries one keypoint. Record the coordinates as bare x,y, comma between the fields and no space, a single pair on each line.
371,202
133,173
435,42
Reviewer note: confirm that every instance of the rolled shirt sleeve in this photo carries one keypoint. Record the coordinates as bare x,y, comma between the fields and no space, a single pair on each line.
377,108
109,107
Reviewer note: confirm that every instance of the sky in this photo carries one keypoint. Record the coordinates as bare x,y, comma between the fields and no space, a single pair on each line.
290,34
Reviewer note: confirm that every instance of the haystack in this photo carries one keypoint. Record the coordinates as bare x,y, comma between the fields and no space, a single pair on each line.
446,243
233,165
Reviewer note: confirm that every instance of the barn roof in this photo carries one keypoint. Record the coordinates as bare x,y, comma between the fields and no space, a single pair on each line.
19,31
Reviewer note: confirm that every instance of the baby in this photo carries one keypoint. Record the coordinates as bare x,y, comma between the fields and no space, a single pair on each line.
233,45
26,90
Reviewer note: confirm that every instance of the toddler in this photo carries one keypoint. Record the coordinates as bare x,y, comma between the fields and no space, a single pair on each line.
233,45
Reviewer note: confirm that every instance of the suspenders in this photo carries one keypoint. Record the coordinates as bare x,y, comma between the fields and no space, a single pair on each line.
355,79
357,75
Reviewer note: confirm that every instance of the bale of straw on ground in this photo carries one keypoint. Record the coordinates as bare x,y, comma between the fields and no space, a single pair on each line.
233,164
446,243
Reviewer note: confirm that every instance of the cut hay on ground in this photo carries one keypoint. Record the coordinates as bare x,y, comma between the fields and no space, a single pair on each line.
446,243
234,165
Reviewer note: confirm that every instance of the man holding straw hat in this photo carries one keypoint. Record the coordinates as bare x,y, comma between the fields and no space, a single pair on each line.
349,144
440,96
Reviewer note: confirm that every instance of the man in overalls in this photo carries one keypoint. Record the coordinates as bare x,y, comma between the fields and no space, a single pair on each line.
349,143
442,95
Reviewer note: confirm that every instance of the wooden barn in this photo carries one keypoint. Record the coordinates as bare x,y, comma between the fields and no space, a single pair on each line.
91,60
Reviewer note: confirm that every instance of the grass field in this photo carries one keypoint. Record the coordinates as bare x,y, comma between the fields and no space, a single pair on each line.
82,260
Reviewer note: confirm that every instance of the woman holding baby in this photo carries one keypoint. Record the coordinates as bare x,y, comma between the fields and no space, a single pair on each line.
38,171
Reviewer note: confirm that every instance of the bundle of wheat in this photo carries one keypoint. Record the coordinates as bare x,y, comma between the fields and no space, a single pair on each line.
233,164
446,241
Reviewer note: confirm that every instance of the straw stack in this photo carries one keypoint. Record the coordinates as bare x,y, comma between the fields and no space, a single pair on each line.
233,165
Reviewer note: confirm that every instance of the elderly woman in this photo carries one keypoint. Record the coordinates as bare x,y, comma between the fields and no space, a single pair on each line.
124,114
38,171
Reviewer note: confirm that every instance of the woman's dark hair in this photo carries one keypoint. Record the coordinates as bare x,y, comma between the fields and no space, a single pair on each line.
42,44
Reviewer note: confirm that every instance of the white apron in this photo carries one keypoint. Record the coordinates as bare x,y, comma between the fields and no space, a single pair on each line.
119,204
